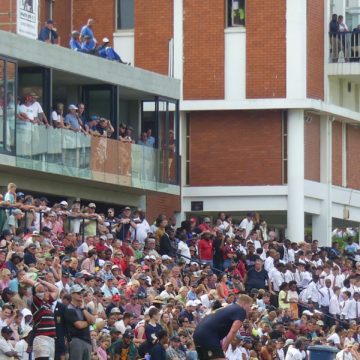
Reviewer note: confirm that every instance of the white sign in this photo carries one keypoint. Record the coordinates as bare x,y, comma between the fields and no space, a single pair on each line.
27,18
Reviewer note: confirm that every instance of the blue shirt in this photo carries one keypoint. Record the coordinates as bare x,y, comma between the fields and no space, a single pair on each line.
87,47
47,34
86,30
75,44
72,120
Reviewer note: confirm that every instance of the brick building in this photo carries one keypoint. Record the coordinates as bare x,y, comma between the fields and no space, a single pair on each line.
268,122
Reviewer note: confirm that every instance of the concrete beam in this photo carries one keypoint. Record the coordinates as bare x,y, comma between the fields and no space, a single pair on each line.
92,67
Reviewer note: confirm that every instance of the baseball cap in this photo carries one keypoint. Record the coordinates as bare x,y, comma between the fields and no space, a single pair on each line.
114,331
64,203
6,330
166,257
76,289
108,277
115,310
72,107
116,297
50,21
105,40
92,205
127,208
190,303
17,212
129,334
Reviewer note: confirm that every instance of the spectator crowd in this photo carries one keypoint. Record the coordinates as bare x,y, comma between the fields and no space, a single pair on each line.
82,41
89,285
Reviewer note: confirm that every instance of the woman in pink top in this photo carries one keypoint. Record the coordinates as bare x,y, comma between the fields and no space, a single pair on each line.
221,288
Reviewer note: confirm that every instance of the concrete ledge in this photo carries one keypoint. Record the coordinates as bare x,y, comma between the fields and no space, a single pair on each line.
93,67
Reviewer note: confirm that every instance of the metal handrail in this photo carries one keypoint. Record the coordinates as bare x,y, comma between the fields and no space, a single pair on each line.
344,46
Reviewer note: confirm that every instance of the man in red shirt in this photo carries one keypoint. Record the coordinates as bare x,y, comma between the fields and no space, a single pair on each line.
206,226
205,247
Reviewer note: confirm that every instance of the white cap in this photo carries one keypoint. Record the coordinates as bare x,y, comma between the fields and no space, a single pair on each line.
105,39
308,312
64,203
152,257
166,257
72,107
190,303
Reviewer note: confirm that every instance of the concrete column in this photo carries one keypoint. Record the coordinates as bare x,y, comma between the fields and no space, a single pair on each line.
322,224
295,145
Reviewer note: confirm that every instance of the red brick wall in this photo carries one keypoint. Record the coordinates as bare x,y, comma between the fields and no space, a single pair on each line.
8,15
312,148
204,49
235,148
315,50
265,49
353,157
161,203
336,153
153,30
103,12
62,18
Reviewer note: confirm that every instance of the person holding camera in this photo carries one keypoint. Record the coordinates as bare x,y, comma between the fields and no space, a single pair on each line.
125,223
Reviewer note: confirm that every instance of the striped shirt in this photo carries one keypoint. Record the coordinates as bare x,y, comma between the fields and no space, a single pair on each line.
44,321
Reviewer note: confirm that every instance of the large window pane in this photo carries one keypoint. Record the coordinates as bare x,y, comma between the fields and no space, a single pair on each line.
125,15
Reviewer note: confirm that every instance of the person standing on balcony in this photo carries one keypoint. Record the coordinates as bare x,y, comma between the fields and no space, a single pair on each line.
38,110
334,41
48,34
87,31
345,40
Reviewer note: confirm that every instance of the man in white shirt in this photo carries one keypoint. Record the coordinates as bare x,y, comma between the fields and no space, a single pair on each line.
269,262
345,304
313,290
38,110
183,249
233,352
336,278
345,354
353,311
6,349
277,276
326,293
334,306
247,223
83,249
294,351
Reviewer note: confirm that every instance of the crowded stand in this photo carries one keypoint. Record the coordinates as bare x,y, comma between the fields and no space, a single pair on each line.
83,284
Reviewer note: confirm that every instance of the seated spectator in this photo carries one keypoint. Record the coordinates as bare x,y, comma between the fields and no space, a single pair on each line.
86,45
107,52
88,33
74,42
48,34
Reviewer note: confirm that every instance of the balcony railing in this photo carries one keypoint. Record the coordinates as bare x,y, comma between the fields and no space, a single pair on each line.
344,47
65,152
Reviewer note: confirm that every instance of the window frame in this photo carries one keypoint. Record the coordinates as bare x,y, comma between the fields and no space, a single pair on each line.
118,16
229,19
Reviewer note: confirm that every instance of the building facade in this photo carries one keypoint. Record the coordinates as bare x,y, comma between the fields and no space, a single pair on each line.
269,101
